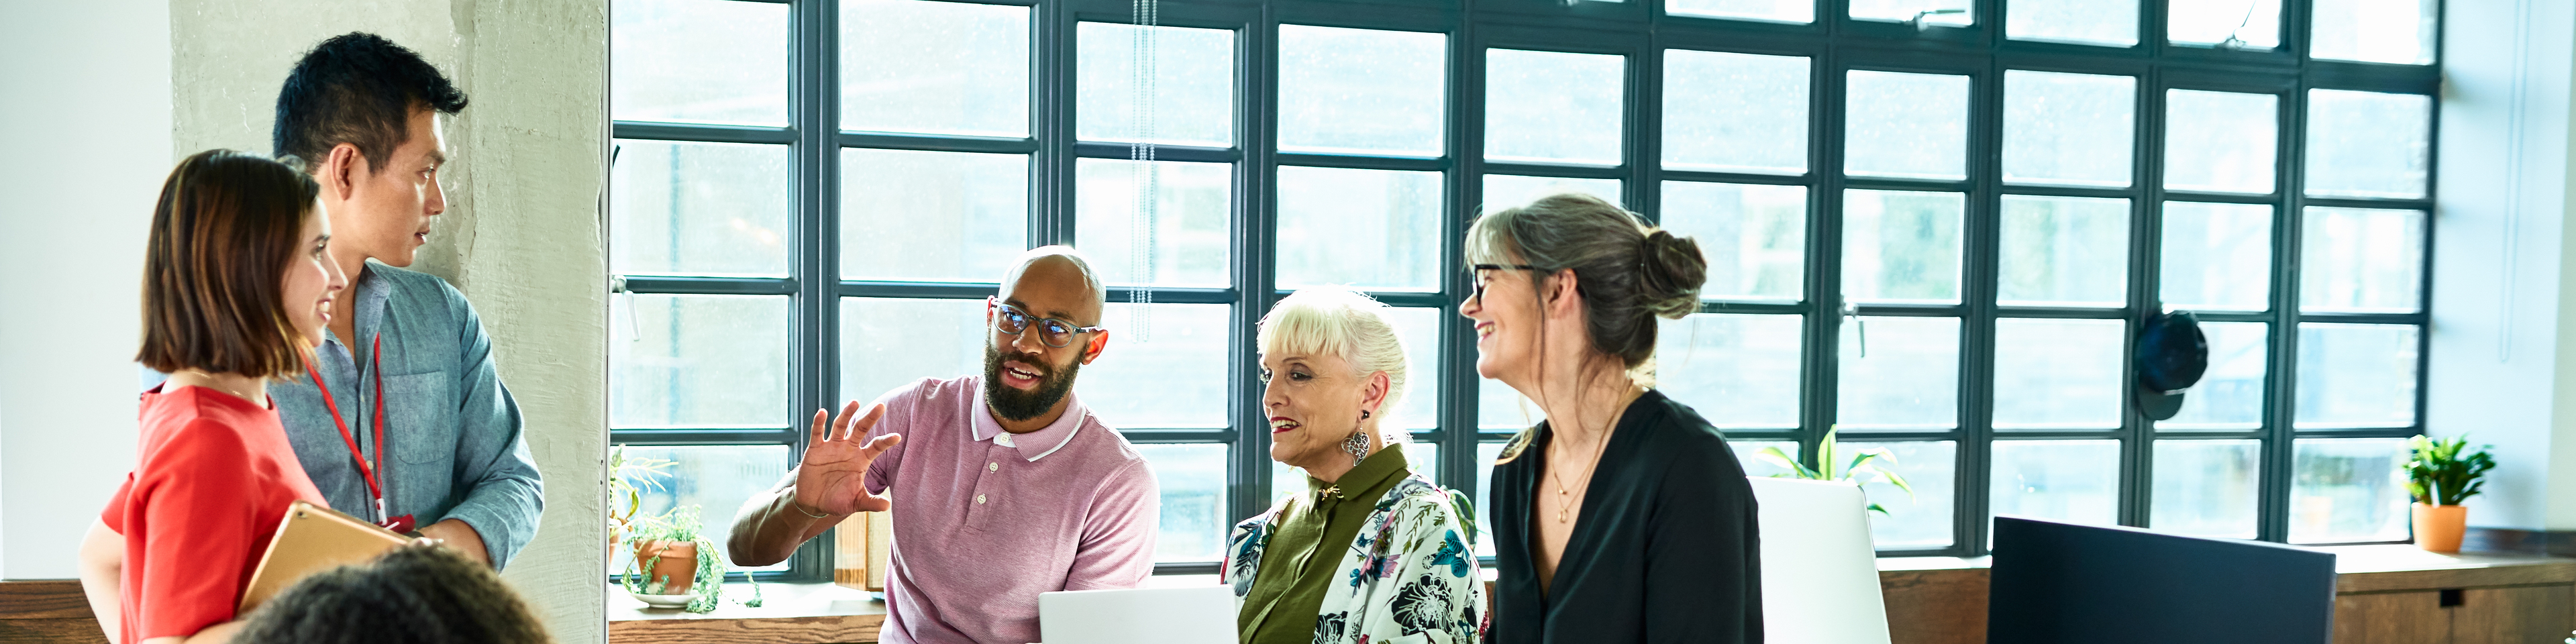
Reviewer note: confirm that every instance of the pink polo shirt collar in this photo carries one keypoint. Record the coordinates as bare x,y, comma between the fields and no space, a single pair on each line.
1033,445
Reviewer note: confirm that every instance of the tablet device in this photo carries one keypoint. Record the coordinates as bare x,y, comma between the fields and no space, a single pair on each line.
309,540
1196,615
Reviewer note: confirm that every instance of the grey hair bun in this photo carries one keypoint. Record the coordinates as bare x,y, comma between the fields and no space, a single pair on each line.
1670,273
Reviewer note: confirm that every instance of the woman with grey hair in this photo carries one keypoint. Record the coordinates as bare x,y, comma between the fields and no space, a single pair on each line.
1370,551
1622,517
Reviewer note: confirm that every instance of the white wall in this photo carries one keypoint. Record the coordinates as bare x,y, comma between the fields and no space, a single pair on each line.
2501,369
85,109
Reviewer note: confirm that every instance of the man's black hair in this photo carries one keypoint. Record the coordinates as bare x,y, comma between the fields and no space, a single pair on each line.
410,595
357,88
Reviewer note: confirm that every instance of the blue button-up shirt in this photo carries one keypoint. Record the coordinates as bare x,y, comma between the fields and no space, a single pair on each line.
455,432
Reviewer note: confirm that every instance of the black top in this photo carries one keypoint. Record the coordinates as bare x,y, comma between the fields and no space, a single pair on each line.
1666,549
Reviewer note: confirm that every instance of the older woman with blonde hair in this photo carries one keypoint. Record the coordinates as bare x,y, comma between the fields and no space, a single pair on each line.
1371,551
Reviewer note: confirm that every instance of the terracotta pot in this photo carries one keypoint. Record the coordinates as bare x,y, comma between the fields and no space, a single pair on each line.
674,560
2438,527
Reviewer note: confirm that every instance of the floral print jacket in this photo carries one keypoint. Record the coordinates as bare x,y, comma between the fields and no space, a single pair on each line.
1409,577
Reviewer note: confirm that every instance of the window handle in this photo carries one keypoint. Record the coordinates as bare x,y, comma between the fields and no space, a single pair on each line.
1860,327
1921,25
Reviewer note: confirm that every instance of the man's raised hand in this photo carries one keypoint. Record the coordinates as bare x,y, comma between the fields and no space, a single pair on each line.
831,478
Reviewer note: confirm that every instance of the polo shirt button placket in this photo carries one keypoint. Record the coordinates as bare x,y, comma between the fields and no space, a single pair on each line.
979,499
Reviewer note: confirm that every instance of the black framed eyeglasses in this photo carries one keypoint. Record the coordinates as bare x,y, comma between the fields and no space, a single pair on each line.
1055,333
1476,276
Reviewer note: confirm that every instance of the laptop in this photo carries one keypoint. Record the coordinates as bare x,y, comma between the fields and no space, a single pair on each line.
1193,615
1819,570
313,539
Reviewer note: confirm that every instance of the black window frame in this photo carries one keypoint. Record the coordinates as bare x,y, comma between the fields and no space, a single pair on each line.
1641,31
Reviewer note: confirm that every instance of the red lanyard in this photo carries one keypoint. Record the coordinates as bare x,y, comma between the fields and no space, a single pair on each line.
377,355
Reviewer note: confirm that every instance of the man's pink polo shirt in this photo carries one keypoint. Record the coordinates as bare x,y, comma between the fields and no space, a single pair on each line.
984,520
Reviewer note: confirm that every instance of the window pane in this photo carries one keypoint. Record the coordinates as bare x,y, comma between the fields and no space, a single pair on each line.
1362,90
1369,229
1899,374
2217,256
1193,83
1499,407
2064,251
1739,371
1918,521
2348,489
2220,141
1419,329
2256,24
1750,454
1901,246
2356,375
1512,191
1906,125
2229,395
1754,236
2361,260
2378,31
697,361
888,343
932,216
1162,370
1735,112
2368,144
717,479
1192,478
2059,374
703,61
1485,455
938,67
1901,10
1189,229
2069,129
2073,481
1550,106
2091,22
2207,488
1800,11
699,209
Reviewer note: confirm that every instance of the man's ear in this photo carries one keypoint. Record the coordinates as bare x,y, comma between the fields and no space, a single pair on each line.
340,171
1091,350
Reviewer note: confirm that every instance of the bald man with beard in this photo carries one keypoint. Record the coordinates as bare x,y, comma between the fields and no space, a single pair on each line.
1008,486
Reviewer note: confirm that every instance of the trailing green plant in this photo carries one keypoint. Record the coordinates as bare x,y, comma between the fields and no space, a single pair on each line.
628,478
1835,463
2437,474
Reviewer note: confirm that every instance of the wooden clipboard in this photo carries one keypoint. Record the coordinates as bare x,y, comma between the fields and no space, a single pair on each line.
312,539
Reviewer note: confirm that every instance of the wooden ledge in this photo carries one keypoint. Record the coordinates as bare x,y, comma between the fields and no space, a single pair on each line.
2390,567
805,613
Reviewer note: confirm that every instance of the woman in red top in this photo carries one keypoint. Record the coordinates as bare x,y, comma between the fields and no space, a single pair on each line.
237,287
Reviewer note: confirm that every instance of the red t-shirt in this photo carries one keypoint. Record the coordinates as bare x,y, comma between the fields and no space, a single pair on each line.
212,481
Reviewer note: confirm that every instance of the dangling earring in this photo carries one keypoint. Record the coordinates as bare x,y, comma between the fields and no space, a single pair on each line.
1356,446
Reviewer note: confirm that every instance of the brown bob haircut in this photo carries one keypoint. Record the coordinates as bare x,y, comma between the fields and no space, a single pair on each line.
214,270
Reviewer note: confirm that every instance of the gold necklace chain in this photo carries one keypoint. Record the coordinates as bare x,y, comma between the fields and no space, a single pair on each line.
1565,497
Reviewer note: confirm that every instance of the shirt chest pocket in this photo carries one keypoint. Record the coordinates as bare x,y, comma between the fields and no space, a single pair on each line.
420,419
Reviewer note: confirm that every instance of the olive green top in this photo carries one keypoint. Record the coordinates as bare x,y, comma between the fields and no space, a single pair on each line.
1295,569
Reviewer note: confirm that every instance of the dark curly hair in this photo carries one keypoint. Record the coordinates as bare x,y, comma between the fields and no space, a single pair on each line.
412,595
357,88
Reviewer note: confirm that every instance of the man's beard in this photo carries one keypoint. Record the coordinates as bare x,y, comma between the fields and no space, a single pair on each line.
1011,403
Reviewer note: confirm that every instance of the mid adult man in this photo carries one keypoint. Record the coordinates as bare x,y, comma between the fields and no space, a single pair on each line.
1003,485
406,367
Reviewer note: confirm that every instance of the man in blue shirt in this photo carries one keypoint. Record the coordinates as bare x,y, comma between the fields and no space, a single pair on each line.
362,114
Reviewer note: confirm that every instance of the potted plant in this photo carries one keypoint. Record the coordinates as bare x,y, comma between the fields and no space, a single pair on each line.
2438,478
1861,467
674,563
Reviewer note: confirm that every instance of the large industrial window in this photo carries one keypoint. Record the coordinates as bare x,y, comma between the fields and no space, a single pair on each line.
1934,224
